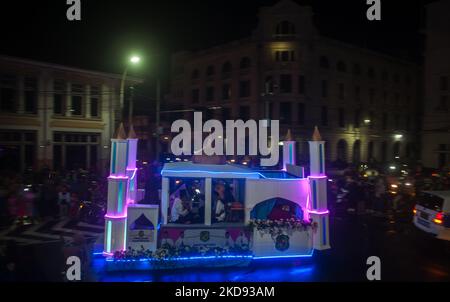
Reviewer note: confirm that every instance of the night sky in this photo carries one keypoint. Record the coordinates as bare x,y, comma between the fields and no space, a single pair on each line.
111,30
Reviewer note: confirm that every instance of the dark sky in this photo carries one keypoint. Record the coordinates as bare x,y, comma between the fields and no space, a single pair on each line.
110,29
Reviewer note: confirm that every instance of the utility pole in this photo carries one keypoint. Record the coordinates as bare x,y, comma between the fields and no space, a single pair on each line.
158,116
130,110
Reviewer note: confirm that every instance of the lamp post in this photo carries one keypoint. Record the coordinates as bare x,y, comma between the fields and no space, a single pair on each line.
133,60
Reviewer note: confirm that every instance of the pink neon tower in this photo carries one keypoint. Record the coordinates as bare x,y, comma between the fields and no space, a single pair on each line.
118,181
318,209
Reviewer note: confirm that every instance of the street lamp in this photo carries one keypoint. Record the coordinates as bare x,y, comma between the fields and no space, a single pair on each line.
134,60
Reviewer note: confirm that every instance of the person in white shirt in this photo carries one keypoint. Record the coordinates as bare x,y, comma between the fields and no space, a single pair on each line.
179,212
242,241
166,242
228,241
180,241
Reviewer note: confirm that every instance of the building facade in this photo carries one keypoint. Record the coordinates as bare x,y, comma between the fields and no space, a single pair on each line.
56,116
364,102
436,120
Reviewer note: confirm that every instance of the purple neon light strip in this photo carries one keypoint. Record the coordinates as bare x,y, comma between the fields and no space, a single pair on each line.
319,212
115,217
121,177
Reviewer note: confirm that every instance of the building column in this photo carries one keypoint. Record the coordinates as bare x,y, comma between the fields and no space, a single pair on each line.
208,200
21,100
165,200
87,89
68,105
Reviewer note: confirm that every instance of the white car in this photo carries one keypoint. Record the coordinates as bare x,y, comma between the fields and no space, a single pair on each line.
432,213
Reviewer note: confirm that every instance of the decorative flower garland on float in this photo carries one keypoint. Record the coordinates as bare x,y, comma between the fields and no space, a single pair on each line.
280,230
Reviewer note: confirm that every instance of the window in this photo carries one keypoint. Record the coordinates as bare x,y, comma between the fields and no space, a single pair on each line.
285,56
396,78
371,95
371,120
444,83
285,83
185,191
301,84
443,103
357,121
356,69
408,81
301,114
341,67
384,76
8,93
396,99
195,74
324,88
77,105
244,113
30,95
195,95
226,92
209,94
357,93
385,98
285,28
324,116
371,73
95,101
226,68
324,63
77,99
59,98
210,71
341,94
341,113
285,112
385,121
244,89
245,63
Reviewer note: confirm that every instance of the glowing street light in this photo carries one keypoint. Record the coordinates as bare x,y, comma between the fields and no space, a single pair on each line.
135,59
398,136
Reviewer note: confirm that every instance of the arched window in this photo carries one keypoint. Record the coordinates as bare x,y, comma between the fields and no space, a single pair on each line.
356,69
357,152
324,63
226,67
195,74
341,66
245,63
341,154
210,70
285,28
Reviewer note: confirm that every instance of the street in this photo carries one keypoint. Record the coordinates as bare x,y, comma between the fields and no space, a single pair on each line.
406,255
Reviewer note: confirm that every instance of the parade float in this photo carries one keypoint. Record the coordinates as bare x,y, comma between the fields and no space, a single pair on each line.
269,214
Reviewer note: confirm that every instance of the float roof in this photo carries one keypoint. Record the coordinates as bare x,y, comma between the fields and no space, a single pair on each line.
189,169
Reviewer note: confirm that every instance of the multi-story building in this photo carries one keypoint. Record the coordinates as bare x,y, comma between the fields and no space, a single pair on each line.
56,116
436,119
364,102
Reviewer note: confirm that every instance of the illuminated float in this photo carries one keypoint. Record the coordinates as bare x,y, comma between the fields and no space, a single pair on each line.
232,214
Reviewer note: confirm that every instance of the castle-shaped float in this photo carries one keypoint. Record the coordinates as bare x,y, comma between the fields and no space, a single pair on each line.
271,214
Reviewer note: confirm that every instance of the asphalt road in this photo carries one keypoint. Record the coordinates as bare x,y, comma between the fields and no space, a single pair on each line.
406,254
